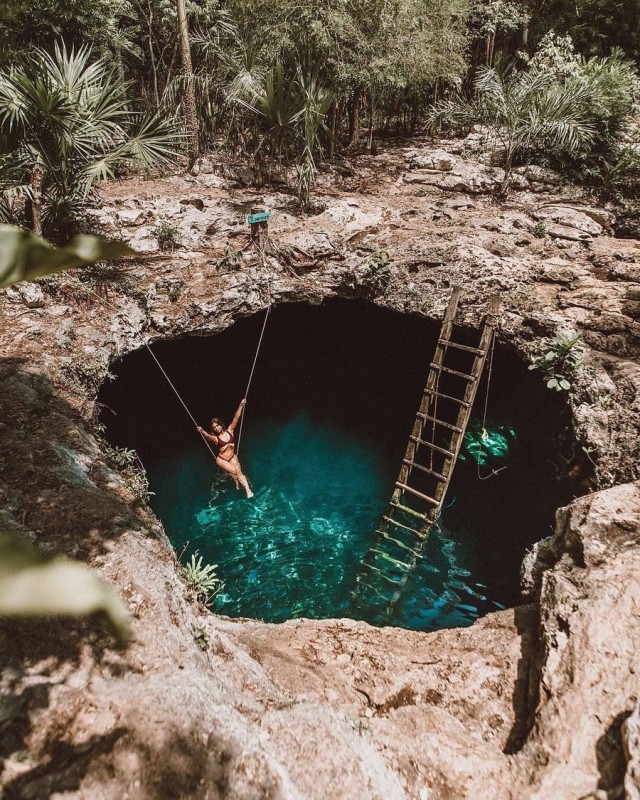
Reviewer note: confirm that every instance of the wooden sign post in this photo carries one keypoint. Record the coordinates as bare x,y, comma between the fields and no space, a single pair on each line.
258,219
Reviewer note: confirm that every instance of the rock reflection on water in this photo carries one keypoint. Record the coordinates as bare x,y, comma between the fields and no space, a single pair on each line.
294,549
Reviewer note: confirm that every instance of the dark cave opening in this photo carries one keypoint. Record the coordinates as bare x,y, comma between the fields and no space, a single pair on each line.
331,404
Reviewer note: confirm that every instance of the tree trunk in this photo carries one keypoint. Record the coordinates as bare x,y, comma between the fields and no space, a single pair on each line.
354,117
371,114
189,100
152,58
525,33
489,47
333,128
37,174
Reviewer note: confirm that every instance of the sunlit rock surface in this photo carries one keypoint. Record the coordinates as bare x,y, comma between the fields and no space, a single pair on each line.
536,702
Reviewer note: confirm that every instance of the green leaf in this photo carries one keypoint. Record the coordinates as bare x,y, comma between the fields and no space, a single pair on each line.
24,256
552,384
565,384
34,584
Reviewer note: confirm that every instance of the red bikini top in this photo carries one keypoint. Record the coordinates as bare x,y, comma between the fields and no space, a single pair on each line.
230,440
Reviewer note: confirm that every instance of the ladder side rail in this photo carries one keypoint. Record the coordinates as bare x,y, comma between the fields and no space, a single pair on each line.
432,381
464,413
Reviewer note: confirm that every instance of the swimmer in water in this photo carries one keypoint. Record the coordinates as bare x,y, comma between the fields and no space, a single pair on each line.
224,439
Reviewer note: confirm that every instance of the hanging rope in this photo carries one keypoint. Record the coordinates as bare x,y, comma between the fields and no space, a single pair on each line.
433,407
255,361
162,370
177,394
484,435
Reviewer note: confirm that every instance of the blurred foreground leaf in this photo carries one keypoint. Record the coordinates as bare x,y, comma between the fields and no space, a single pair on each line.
34,584
24,257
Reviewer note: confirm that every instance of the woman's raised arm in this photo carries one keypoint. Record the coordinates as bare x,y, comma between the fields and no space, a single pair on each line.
238,414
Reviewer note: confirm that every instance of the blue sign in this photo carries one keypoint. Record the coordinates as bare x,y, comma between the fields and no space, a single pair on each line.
263,216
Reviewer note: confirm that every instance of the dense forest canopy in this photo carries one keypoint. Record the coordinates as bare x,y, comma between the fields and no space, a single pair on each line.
288,84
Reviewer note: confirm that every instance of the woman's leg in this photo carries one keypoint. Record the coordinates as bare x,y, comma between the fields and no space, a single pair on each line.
241,477
228,467
234,469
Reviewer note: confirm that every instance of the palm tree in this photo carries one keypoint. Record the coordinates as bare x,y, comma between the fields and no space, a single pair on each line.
64,124
190,109
526,110
289,111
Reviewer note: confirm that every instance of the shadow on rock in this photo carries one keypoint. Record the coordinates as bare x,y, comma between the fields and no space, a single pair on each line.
55,483
526,688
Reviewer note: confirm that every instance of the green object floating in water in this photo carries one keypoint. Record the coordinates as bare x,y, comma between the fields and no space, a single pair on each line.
491,442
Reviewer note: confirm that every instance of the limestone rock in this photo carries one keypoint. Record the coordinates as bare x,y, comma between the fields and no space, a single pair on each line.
31,295
540,175
568,217
596,552
465,177
438,160
196,202
130,217
567,232
631,746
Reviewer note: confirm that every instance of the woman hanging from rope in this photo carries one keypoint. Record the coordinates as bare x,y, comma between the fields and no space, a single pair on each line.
224,439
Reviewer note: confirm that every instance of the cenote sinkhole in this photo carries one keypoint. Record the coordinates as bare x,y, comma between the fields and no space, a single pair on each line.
331,404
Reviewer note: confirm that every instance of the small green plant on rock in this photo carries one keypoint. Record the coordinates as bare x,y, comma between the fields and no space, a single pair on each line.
539,230
201,579
378,275
121,457
374,276
232,259
560,361
129,465
200,638
166,233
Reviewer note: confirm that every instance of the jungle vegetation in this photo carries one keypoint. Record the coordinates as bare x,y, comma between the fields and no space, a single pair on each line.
93,88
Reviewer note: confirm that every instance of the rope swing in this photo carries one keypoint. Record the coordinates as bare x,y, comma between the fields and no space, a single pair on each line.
166,376
484,433
255,361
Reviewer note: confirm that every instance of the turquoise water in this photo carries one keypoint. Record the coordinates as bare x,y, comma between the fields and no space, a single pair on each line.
294,549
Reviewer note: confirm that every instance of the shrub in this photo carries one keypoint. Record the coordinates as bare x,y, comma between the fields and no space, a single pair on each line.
560,361
201,579
374,276
67,124
566,109
166,232
129,465
539,230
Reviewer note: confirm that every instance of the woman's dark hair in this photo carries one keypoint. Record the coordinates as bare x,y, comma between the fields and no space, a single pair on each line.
217,421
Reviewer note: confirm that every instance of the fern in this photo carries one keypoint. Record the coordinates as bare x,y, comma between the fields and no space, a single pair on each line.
201,578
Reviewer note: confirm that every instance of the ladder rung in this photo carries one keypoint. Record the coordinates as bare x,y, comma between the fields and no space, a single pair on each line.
397,542
464,347
382,576
448,397
424,469
422,496
408,510
399,524
390,559
453,372
433,446
439,422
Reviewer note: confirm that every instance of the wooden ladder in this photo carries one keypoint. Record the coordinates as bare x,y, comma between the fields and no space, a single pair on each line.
413,509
